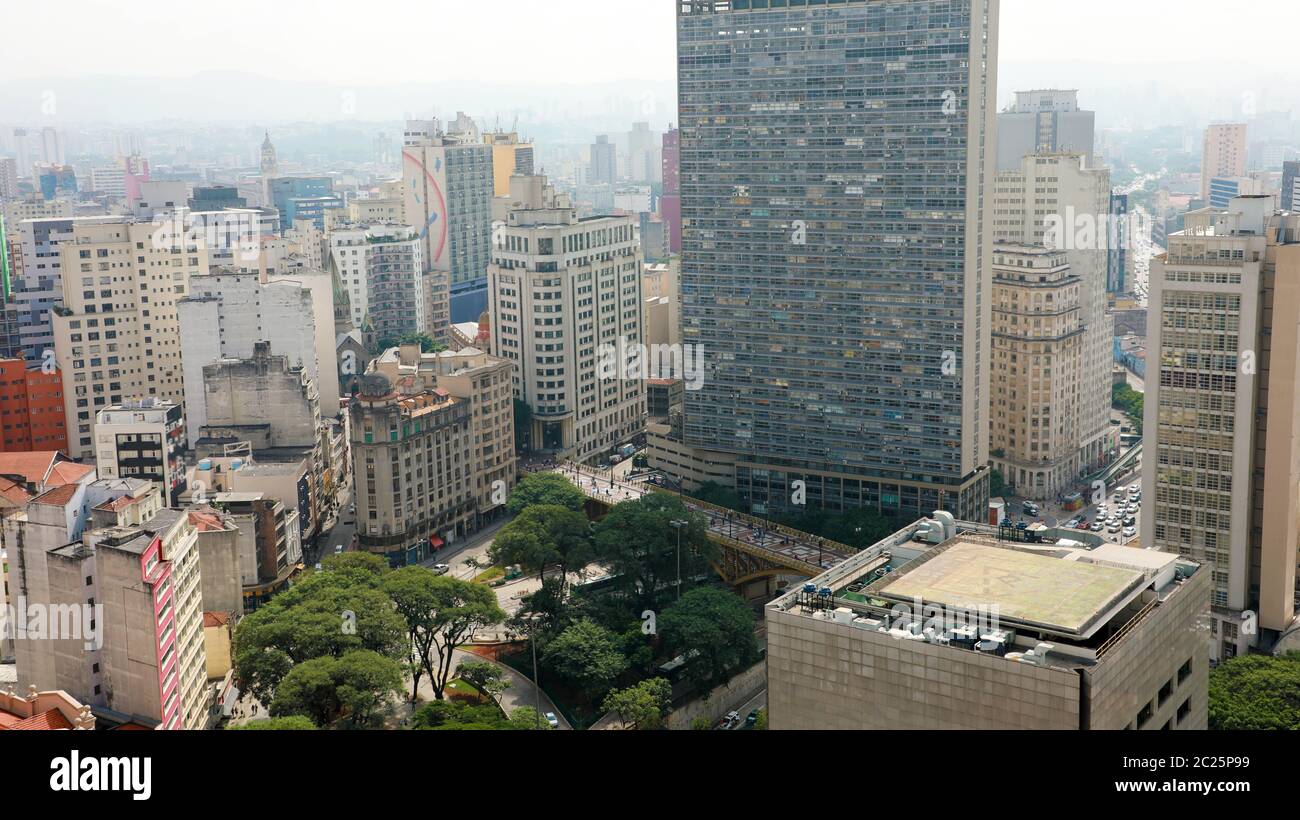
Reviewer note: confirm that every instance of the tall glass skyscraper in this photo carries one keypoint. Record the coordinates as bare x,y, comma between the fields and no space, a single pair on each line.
833,159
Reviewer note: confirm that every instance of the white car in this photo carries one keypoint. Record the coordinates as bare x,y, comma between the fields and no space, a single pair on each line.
441,569
1131,532
338,550
552,720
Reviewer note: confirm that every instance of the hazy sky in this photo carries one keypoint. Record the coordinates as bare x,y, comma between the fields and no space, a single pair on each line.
593,64
365,42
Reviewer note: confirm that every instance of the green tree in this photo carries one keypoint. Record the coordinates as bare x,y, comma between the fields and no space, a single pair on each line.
326,689
445,715
545,536
424,340
550,489
639,545
998,487
488,678
714,626
712,492
1131,402
643,706
1255,692
292,723
524,718
459,609
327,614
586,656
413,590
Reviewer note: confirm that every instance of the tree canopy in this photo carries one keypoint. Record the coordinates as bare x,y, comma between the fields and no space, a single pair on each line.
586,656
327,614
1255,692
639,544
643,706
326,689
550,489
717,628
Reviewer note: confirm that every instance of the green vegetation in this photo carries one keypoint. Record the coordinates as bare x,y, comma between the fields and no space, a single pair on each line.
326,615
1130,402
485,677
1254,692
587,656
458,716
545,489
327,689
335,646
441,614
718,627
293,723
643,706
858,528
424,340
639,544
546,536
998,486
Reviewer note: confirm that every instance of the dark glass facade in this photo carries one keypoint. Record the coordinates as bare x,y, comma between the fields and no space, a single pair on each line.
832,158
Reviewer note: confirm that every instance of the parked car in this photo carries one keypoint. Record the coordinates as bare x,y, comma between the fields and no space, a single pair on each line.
552,720
1113,529
338,549
1131,532
441,569
1098,527
752,720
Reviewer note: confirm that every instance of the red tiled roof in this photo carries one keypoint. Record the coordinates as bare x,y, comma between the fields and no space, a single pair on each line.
44,722
13,492
33,467
69,472
207,521
58,496
116,504
211,619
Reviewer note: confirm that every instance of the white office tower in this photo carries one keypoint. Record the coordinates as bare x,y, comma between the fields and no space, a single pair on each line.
566,299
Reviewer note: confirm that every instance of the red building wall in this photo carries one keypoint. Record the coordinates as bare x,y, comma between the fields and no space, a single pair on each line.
31,409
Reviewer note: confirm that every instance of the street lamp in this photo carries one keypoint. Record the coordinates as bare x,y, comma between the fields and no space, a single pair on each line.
678,524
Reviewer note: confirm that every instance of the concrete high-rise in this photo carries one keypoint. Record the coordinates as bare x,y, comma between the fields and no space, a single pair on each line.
1044,122
1038,337
949,625
1224,153
1059,201
448,178
1290,199
510,156
563,290
226,314
116,335
1222,457
835,249
604,162
382,268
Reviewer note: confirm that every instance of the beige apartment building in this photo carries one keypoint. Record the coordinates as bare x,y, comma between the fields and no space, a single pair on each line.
1038,337
1224,154
413,470
117,337
485,383
946,625
1222,462
1057,200
566,302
